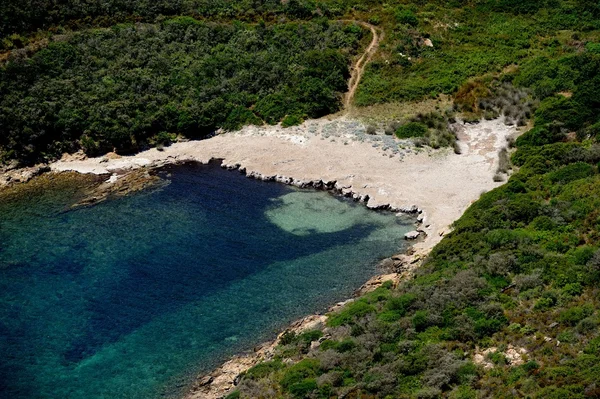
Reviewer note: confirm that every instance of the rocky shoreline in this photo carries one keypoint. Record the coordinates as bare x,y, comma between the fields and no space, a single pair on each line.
332,156
221,381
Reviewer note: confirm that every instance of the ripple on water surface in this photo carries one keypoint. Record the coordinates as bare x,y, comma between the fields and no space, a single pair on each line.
133,297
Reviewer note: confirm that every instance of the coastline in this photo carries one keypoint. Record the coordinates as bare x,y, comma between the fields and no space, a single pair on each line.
336,155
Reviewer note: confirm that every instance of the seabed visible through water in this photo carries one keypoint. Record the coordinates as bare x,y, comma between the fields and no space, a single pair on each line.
134,296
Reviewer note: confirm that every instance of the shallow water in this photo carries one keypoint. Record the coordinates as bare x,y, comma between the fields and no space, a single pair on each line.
133,297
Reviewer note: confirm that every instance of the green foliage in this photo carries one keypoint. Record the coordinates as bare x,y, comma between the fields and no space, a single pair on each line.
572,172
262,370
406,16
575,314
411,129
303,388
561,109
350,312
233,395
124,87
291,120
299,378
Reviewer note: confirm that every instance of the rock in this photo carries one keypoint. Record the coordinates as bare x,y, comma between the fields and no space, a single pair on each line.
409,209
427,43
377,282
23,175
372,204
134,181
553,325
205,380
78,156
112,179
387,264
412,235
340,305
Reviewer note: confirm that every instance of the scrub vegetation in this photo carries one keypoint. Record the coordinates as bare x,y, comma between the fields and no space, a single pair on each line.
521,270
128,86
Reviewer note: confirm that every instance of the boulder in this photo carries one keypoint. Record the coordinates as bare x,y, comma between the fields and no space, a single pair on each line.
412,235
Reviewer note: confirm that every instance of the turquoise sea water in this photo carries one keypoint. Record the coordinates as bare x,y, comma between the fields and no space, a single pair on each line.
133,297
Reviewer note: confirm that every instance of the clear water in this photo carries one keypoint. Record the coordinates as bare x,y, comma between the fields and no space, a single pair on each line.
133,297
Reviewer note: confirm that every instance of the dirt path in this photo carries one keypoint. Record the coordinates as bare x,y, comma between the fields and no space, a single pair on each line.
359,68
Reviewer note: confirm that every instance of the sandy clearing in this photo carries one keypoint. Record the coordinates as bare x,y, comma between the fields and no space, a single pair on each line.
440,183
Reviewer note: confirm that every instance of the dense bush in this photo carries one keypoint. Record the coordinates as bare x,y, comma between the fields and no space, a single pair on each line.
121,87
20,18
411,129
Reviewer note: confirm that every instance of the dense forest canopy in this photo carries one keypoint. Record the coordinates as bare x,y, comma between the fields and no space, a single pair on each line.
130,85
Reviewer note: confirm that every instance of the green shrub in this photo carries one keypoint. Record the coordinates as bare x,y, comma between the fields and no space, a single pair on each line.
310,336
349,313
233,395
531,366
291,120
303,388
569,173
544,303
564,110
420,320
406,17
592,47
288,337
262,370
297,373
411,129
573,289
593,347
574,315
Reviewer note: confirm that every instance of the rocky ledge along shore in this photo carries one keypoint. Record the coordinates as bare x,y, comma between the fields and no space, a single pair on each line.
346,191
13,174
221,381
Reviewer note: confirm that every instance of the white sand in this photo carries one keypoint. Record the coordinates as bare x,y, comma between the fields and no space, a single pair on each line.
441,183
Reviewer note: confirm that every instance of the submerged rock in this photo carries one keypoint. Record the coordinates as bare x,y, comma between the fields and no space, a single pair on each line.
118,186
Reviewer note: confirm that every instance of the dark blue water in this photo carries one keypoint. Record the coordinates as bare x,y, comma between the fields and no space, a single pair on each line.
133,297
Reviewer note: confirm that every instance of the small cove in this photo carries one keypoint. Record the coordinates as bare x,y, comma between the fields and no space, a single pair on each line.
133,297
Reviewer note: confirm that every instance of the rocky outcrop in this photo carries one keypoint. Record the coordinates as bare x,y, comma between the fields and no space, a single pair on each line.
12,174
119,186
220,382
412,235
329,185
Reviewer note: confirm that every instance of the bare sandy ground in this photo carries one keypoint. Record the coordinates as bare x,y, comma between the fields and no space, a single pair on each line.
440,183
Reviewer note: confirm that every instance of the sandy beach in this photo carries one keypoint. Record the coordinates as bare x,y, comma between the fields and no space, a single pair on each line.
440,183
